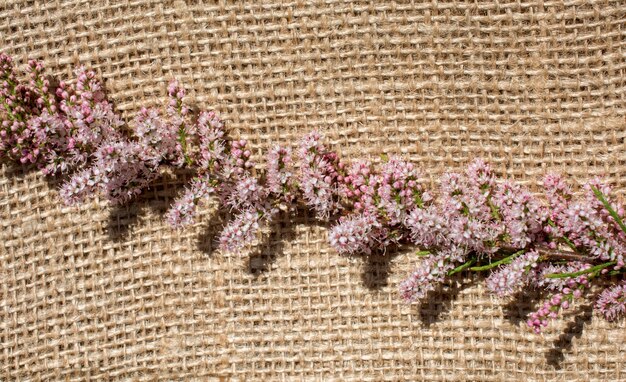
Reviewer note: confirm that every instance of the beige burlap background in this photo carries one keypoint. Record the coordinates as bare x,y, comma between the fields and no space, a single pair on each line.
100,293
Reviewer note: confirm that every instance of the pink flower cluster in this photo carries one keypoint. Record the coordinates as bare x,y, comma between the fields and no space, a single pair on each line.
380,199
474,222
586,223
432,271
56,128
475,215
612,301
355,235
508,279
319,176
565,293
489,218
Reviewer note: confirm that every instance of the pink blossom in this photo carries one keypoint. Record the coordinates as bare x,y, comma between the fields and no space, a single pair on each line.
280,180
155,134
359,186
54,146
18,103
237,163
120,170
355,235
431,271
233,173
183,211
558,195
245,193
91,117
72,128
240,231
509,278
40,86
588,225
278,168
480,175
428,227
318,176
612,301
55,128
241,155
522,214
567,289
178,114
212,147
465,201
461,216
399,190
555,284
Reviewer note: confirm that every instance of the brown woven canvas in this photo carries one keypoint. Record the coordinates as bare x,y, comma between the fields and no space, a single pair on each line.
100,293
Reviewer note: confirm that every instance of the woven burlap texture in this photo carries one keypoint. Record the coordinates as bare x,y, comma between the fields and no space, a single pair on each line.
101,293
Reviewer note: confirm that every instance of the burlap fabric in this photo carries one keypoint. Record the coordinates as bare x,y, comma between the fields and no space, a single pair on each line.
99,293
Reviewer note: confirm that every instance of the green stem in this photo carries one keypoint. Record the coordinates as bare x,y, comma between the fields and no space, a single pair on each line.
182,136
182,139
506,260
462,267
607,205
422,253
595,269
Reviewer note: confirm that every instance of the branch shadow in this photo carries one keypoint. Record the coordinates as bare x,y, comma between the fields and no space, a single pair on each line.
526,301
156,199
439,301
376,271
207,240
521,304
574,329
272,244
21,171
378,266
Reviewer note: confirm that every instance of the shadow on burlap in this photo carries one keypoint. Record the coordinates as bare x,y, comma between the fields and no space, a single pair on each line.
100,293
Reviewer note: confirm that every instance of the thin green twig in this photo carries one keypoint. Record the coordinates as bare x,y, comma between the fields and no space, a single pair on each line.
462,267
595,269
607,205
506,260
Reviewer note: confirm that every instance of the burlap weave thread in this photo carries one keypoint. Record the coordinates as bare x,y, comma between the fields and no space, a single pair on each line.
100,293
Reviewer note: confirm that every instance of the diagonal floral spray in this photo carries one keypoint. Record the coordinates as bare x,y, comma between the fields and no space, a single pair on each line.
474,223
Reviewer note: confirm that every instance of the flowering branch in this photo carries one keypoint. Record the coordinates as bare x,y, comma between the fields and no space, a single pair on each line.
474,222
